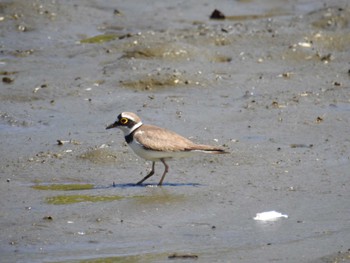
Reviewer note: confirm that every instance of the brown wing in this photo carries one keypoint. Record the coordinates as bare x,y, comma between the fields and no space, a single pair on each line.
159,139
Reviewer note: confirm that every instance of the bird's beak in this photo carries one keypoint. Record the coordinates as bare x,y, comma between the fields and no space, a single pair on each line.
113,125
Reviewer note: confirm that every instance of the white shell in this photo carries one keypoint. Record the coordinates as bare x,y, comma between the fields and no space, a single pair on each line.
269,216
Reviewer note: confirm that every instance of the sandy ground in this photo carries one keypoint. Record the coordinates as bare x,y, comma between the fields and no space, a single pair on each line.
270,83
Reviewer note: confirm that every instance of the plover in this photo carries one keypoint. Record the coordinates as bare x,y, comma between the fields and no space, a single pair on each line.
157,144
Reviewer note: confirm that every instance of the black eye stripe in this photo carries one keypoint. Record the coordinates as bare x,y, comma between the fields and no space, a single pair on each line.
130,123
126,122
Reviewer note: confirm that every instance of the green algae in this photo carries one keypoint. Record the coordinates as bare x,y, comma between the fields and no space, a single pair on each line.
62,199
138,199
72,199
99,39
63,187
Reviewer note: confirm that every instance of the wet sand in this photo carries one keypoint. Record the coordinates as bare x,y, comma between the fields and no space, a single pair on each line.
270,83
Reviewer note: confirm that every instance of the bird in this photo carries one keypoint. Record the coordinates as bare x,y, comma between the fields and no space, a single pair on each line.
154,143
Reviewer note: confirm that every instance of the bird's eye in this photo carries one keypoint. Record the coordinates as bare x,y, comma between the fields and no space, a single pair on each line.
124,121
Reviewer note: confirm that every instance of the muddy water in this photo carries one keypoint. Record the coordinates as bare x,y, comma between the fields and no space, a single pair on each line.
270,82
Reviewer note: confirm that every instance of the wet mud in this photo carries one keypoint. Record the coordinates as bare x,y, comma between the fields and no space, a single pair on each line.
266,80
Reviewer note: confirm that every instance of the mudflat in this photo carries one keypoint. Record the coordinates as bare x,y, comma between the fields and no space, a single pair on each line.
266,80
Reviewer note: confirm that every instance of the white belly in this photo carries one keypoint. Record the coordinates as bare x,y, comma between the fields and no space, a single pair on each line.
156,155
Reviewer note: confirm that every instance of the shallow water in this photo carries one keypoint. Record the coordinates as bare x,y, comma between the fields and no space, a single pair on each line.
269,83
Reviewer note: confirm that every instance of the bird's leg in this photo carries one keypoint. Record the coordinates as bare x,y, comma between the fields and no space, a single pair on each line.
165,172
148,175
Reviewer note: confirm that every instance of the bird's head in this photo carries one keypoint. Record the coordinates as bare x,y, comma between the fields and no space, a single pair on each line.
127,122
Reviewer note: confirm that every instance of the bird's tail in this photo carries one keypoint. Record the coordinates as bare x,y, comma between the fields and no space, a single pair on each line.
208,149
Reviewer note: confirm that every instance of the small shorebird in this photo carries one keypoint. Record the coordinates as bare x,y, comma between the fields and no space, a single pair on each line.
157,144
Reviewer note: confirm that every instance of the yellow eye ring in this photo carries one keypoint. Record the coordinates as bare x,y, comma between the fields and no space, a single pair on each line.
124,121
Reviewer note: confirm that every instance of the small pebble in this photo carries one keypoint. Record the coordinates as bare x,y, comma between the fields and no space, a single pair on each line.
7,80
217,15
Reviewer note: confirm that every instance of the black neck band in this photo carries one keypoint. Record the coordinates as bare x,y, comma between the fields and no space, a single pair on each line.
129,137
